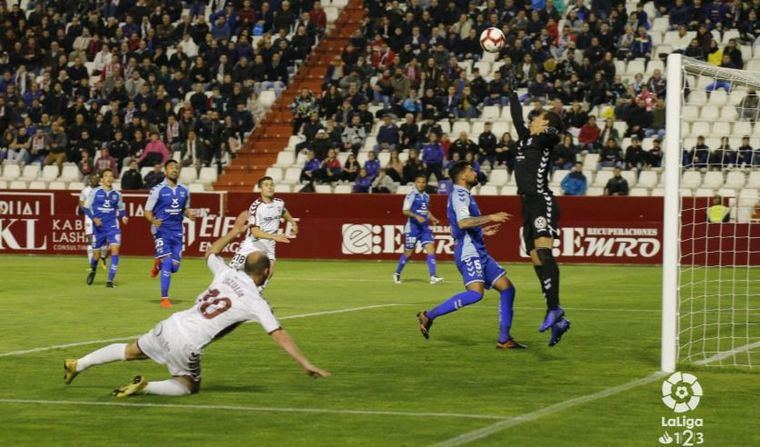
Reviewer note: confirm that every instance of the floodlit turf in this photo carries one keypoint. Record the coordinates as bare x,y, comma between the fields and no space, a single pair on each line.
379,361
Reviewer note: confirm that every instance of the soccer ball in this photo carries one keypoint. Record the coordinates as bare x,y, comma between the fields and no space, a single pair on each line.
492,40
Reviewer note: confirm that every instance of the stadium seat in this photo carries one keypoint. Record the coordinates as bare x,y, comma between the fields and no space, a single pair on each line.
50,173
661,24
275,173
712,180
267,98
11,172
635,66
741,128
56,186
727,192
343,189
683,192
657,192
655,64
730,34
691,179
753,182
591,161
490,113
477,129
340,3
721,129
499,177
557,178
446,128
404,189
647,179
332,13
187,175
749,194
709,113
601,179
690,113
630,177
30,172
384,158
37,184
71,173
282,188
704,192
292,176
595,191
638,192
700,128
735,180
488,190
458,127
509,191
208,175
196,187
728,113
3,184
718,98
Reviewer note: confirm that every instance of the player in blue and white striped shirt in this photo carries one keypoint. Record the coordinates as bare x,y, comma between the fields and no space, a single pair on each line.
417,210
105,207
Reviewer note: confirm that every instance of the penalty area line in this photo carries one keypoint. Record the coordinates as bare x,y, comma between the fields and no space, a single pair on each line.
133,337
253,409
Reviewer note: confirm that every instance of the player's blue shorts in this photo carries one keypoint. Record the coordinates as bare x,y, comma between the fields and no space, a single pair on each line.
414,235
107,237
168,245
481,268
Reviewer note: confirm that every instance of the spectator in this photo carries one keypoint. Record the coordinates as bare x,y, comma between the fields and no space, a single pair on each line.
564,153
749,106
617,185
56,144
611,155
432,158
608,132
395,168
310,168
589,135
303,107
575,183
131,180
383,183
153,177
481,177
155,152
487,145
506,151
635,157
372,165
653,157
718,213
463,145
192,151
362,182
409,132
413,168
331,170
106,161
746,155
387,135
351,168
722,156
657,126
353,135
698,156
18,152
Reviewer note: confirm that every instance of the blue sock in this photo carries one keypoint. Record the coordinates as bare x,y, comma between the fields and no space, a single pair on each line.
456,302
506,301
166,276
114,267
94,263
401,263
431,264
175,266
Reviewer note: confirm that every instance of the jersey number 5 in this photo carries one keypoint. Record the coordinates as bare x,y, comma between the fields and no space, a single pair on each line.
212,306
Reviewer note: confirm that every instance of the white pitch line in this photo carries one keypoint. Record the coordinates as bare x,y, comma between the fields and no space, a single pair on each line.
132,337
255,409
723,355
492,429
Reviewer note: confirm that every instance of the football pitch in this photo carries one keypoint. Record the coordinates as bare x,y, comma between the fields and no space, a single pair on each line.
389,387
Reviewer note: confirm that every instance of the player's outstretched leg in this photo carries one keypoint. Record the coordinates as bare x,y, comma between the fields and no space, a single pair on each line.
93,269
156,268
550,284
472,295
111,353
140,385
166,279
400,267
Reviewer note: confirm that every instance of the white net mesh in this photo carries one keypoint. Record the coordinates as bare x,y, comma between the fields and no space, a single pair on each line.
719,287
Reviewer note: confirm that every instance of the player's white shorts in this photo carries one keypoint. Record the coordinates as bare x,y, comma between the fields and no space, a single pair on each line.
166,345
88,226
248,246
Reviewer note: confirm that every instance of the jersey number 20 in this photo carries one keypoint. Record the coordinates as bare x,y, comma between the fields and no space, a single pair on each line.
212,306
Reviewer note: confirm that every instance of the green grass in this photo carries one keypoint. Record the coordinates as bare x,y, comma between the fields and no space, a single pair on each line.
378,359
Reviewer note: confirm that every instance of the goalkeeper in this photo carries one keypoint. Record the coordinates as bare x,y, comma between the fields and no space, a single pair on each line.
539,208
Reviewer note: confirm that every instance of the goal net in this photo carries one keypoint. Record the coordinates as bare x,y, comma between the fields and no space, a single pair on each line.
711,234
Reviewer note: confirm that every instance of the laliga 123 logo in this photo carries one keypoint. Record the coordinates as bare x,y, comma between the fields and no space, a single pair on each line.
681,392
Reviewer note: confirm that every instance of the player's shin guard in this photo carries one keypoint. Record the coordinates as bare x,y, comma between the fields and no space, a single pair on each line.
114,267
166,276
401,263
431,264
89,254
107,354
456,302
169,387
549,277
506,303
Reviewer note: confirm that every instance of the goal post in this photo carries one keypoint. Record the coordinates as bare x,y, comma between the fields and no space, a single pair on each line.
710,270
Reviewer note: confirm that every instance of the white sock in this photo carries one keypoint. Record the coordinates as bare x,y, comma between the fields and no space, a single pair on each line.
89,254
103,252
169,387
110,353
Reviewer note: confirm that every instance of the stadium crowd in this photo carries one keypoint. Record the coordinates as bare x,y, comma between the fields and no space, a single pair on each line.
112,84
406,59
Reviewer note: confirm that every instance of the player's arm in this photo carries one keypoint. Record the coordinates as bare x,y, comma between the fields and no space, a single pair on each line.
432,219
88,209
289,219
515,109
149,205
122,210
190,213
286,342
258,233
461,205
218,245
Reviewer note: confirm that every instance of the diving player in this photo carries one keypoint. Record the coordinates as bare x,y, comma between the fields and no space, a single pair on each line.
417,210
105,206
479,270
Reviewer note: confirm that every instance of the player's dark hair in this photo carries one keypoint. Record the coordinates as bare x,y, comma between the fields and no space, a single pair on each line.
458,168
263,179
102,172
256,263
420,176
170,161
555,123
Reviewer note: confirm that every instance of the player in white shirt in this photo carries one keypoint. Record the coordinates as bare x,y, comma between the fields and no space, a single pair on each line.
178,341
263,218
93,182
